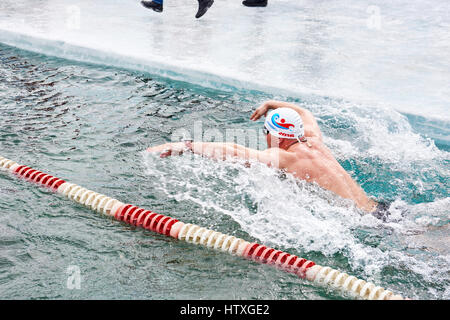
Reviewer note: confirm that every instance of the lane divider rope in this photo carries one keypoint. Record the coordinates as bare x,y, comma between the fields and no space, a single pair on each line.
139,217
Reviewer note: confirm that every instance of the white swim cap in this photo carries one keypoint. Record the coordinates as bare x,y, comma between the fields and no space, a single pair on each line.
284,123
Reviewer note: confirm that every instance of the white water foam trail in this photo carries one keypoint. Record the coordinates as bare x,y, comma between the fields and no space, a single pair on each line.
285,212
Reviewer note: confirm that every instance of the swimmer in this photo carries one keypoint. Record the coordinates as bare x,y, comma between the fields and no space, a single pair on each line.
157,5
295,145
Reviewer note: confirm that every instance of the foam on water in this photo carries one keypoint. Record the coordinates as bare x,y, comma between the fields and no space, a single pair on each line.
390,161
289,214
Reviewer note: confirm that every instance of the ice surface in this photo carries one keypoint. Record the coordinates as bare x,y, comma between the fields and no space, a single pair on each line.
381,52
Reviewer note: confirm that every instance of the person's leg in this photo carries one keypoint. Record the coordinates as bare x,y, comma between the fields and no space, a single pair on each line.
203,6
255,3
155,5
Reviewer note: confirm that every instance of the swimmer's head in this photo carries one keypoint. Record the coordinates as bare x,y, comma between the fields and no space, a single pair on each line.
284,123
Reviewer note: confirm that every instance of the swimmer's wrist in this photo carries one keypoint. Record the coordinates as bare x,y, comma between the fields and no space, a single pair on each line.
274,104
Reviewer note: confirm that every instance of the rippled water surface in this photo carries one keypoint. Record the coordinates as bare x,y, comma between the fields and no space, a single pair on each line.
90,124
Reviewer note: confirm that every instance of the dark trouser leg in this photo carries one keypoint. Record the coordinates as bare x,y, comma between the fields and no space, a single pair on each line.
203,6
255,3
155,5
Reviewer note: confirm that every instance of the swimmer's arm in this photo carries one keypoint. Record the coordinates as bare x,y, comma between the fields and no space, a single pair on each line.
272,157
309,121
212,149
223,150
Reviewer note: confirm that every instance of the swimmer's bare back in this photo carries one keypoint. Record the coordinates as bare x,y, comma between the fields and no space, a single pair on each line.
315,163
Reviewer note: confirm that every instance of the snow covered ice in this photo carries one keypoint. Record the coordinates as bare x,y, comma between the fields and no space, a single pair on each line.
394,54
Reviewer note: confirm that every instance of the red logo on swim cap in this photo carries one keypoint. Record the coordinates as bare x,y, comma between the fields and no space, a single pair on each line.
285,125
281,124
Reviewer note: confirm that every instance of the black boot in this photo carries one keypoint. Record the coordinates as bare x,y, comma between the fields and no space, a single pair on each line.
155,6
203,6
255,3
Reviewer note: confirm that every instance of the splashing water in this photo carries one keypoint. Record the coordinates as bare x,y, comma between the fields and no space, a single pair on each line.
284,212
89,123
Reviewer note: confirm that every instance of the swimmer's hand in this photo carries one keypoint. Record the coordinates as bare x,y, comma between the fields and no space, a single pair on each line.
169,149
260,111
264,108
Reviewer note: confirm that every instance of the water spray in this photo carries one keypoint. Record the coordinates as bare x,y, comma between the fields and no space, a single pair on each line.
139,217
